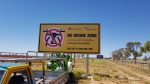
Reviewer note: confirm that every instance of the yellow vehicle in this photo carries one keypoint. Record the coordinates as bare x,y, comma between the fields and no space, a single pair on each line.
14,73
18,73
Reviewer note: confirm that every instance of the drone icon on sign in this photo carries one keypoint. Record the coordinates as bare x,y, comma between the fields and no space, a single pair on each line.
53,37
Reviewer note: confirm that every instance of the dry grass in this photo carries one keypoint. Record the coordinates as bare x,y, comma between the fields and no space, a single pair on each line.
106,70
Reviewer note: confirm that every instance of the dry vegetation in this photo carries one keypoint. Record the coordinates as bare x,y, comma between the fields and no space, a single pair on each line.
109,72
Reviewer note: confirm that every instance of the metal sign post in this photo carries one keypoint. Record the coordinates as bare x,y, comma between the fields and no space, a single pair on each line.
87,64
74,59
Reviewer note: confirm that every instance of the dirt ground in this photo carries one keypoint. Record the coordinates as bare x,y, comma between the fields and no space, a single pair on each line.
110,72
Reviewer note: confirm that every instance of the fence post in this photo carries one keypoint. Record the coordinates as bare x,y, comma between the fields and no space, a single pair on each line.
87,64
149,67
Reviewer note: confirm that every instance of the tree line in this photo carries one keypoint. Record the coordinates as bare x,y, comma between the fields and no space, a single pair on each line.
135,49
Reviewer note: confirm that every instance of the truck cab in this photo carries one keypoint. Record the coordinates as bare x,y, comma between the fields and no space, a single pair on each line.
21,73
35,70
15,73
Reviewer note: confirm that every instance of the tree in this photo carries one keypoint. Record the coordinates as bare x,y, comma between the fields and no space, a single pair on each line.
117,55
122,53
147,47
126,53
114,55
133,48
143,51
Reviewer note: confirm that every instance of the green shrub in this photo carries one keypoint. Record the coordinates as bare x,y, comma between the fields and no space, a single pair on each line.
77,74
97,78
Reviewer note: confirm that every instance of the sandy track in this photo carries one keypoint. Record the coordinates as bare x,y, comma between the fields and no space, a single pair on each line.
118,73
132,75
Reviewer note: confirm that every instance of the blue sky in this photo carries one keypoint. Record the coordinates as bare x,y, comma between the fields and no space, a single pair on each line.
121,21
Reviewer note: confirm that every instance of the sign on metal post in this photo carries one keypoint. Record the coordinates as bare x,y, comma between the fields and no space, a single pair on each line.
69,38
87,64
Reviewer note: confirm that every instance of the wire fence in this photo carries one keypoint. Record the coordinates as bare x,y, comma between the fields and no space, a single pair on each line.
142,65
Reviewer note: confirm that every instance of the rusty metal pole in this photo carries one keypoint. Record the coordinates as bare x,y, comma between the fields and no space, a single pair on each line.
87,64
36,54
74,59
149,67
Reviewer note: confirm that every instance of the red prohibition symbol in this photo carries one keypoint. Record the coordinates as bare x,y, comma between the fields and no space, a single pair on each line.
54,37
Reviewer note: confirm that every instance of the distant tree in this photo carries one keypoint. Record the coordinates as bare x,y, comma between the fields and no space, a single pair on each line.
133,48
126,53
121,52
147,48
114,55
117,55
143,51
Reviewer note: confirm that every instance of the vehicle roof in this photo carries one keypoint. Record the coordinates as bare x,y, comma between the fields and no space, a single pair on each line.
4,66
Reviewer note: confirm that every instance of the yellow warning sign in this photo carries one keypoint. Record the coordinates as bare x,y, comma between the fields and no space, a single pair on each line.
70,38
